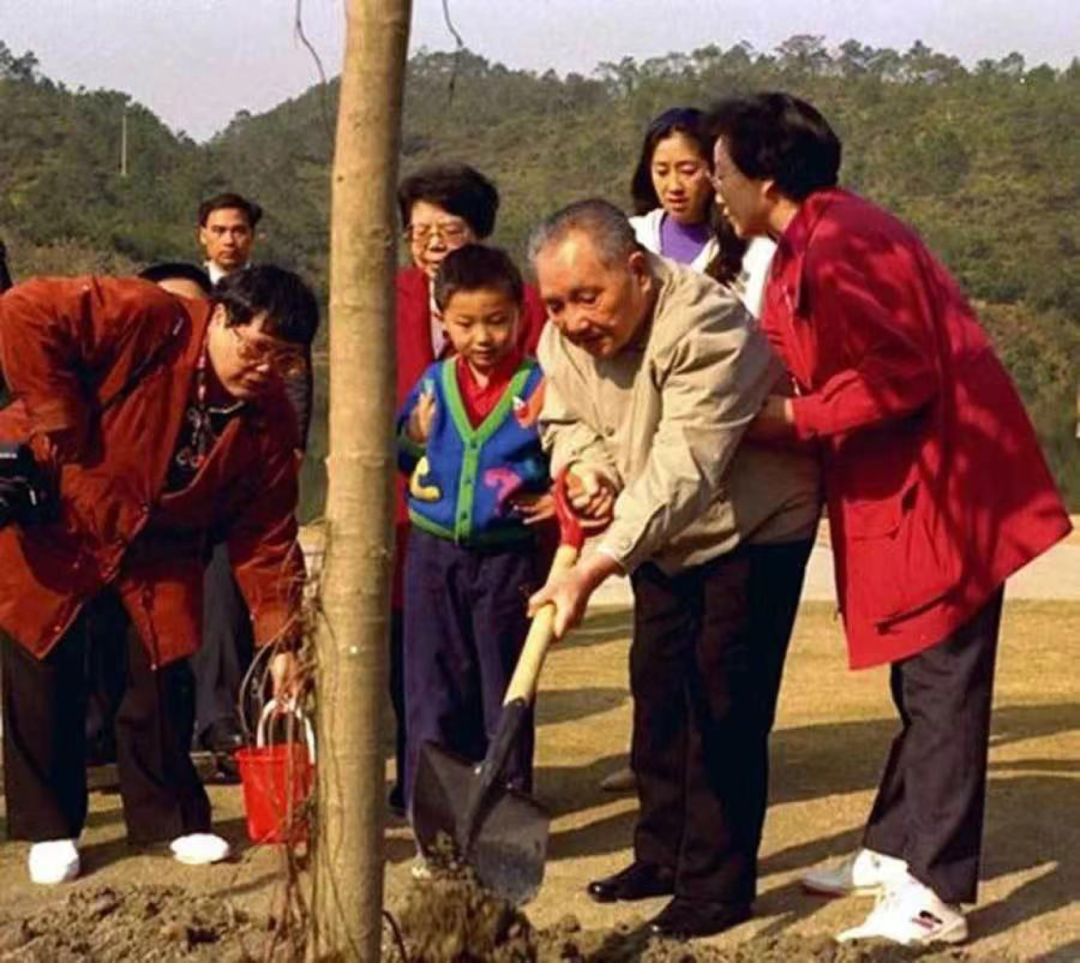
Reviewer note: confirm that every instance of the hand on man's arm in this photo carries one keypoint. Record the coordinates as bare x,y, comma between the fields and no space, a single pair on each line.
775,422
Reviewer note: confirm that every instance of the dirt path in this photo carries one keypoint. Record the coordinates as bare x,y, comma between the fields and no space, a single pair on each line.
831,737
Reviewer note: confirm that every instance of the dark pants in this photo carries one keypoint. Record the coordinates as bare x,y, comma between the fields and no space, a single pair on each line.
106,625
930,804
44,709
220,664
397,694
705,666
465,625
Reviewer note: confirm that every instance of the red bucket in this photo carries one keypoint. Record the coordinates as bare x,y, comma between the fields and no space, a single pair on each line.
277,781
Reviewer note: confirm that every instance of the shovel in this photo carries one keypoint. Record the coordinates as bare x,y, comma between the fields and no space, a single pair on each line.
500,832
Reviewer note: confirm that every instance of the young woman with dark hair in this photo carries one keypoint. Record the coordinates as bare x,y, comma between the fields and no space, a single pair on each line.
675,209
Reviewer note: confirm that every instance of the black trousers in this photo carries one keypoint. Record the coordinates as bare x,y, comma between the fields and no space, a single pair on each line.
931,801
228,645
705,667
106,625
397,693
465,625
44,709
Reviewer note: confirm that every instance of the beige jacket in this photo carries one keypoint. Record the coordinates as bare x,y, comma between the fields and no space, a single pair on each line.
663,420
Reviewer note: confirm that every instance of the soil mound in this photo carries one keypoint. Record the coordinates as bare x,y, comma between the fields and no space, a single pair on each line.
450,918
447,919
166,924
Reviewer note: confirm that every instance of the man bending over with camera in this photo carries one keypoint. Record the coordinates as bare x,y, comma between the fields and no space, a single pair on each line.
144,428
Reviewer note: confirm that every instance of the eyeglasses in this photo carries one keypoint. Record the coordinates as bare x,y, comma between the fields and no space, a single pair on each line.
287,362
451,233
717,179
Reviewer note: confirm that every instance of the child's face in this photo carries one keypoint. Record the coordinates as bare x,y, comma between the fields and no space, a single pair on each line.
482,326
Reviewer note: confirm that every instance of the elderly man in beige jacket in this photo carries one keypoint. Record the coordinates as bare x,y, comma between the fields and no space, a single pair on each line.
653,373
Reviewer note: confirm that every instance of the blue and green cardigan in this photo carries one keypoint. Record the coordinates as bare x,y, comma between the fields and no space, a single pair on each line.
462,478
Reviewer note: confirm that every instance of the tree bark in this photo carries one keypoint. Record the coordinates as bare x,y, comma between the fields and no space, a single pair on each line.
355,590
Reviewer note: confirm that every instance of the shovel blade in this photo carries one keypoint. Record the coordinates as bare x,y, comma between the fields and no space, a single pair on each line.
510,844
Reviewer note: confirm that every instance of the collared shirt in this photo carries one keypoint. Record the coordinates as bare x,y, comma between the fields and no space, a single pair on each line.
663,420
439,341
480,400
217,272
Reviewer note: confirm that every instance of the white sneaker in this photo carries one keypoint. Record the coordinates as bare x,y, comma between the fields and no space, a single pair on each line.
199,849
52,862
622,780
864,873
910,914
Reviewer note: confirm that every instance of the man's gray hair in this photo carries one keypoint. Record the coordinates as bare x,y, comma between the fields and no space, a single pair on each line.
605,225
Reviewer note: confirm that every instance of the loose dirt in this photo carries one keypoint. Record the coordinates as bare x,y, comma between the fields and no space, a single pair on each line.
832,734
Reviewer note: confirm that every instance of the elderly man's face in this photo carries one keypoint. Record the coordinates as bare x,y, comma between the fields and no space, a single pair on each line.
596,306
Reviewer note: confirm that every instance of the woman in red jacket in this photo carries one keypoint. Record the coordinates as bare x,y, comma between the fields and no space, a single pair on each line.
443,207
935,485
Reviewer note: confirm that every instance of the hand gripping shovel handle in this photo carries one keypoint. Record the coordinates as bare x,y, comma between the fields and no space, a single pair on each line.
541,631
522,688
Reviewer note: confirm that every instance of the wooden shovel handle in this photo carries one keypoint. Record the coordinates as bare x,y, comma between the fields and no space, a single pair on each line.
541,632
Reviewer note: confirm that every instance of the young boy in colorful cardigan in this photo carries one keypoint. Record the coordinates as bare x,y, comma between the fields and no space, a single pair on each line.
478,483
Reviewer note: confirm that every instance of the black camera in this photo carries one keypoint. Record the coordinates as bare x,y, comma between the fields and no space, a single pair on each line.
26,496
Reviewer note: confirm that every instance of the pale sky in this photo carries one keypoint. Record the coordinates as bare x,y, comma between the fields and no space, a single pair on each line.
195,63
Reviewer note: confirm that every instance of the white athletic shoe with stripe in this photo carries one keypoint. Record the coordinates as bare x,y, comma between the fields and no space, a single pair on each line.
910,914
864,873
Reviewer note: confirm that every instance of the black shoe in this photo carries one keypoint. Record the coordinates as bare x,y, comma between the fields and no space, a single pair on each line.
395,801
222,737
637,881
226,771
684,918
100,751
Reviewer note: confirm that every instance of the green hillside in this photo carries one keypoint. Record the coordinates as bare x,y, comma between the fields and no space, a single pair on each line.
985,162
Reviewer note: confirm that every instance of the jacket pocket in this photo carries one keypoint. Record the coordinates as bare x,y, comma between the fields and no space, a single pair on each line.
898,563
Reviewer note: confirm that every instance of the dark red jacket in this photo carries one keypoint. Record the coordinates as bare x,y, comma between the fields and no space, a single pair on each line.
69,345
936,487
414,354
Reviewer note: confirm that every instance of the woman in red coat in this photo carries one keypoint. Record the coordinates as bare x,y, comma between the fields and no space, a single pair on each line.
935,485
442,207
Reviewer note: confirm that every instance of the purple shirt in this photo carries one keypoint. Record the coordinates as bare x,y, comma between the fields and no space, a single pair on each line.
682,242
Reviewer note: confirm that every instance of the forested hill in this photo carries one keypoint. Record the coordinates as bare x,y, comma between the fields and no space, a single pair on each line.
985,162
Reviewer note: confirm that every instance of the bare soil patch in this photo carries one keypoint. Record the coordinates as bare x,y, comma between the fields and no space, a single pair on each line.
831,737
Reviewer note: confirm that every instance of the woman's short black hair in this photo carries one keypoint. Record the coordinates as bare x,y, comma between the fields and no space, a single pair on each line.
458,189
292,312
474,267
688,121
779,137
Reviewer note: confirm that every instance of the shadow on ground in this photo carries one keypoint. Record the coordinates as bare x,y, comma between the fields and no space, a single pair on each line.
1031,818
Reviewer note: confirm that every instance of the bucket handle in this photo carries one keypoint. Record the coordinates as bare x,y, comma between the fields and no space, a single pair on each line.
272,708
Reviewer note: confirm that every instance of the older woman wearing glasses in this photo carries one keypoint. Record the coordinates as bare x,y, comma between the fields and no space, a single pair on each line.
442,207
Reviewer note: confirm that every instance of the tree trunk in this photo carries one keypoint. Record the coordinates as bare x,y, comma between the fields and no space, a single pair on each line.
353,632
